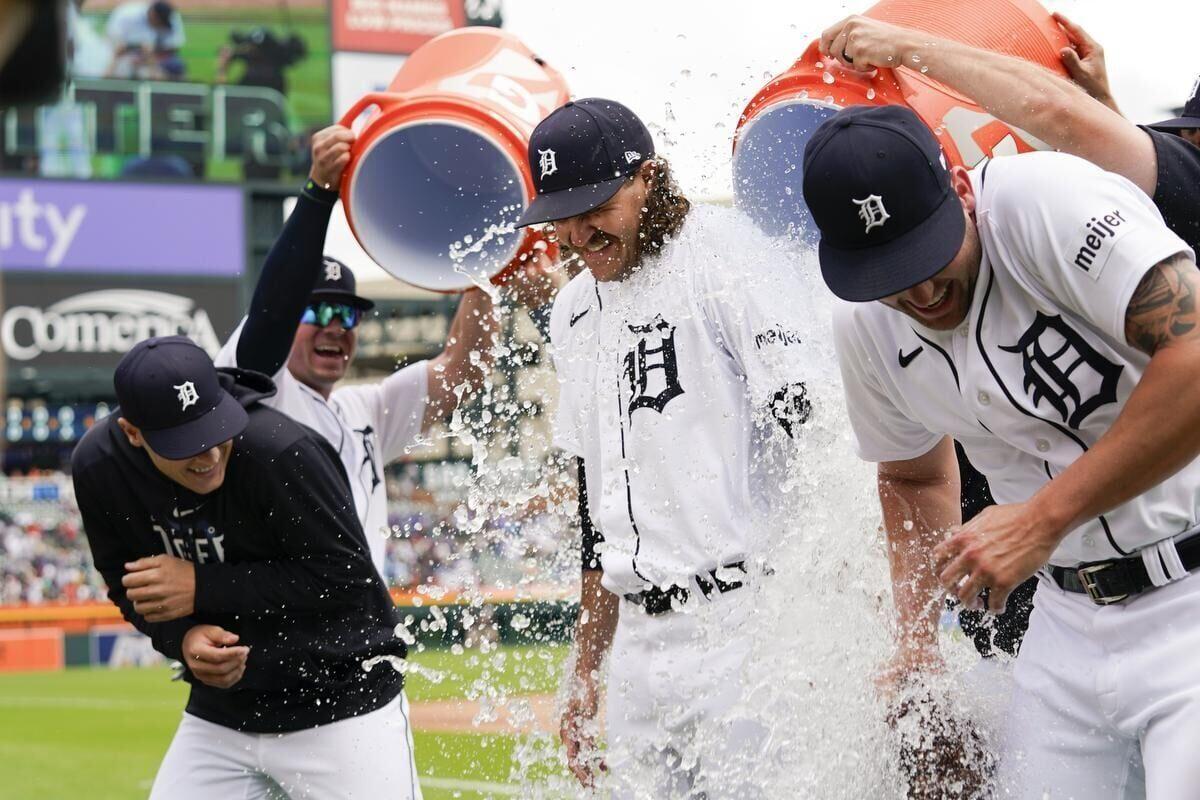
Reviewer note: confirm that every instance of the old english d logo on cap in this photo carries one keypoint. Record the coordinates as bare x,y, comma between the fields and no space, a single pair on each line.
877,187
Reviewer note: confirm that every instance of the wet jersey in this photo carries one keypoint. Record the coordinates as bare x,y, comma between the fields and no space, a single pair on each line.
661,375
1040,369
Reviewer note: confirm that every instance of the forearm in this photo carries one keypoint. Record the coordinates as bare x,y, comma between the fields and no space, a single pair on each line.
289,273
1035,100
466,359
916,517
595,626
165,637
1156,435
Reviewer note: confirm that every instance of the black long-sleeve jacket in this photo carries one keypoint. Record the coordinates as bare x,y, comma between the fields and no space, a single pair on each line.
280,560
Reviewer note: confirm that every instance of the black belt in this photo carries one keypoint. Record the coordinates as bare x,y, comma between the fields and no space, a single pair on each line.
655,601
1107,582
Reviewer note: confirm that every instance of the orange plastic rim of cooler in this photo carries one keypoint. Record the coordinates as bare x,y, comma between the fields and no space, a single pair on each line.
477,93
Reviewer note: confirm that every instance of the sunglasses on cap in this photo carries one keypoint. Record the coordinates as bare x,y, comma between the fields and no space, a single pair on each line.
322,314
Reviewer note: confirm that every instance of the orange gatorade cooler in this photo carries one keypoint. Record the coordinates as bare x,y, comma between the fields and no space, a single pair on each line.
438,174
769,143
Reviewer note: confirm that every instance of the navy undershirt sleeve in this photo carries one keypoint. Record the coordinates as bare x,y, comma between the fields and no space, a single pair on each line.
591,536
1177,191
288,276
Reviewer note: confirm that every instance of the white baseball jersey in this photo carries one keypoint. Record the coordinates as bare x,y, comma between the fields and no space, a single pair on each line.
1040,369
369,425
660,376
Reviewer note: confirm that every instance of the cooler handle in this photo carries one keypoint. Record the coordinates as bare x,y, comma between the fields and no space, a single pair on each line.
384,100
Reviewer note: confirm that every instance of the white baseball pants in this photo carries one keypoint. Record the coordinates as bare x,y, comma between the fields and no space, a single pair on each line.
1107,698
674,729
368,757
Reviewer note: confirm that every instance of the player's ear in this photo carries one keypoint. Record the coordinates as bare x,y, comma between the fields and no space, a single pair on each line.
960,180
131,431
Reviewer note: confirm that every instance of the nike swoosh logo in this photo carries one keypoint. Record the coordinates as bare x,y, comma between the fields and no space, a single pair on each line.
575,318
905,360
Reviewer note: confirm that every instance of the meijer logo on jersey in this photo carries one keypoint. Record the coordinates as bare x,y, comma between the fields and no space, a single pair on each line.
108,321
1097,234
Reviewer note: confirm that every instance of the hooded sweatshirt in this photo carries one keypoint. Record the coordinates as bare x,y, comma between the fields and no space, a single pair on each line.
280,560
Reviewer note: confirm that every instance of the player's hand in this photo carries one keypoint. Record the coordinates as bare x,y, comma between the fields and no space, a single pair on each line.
535,282
863,44
996,550
910,665
209,652
1084,61
161,588
578,729
330,155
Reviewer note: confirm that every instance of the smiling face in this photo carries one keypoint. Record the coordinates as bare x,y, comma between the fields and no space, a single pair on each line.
202,474
606,238
942,302
320,355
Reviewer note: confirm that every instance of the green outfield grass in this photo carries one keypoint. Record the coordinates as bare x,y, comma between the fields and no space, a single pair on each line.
98,734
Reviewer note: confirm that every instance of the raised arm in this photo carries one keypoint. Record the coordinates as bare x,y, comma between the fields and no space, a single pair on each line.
1013,90
294,262
465,361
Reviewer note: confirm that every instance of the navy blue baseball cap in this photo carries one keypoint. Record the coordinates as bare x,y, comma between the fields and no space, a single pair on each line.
878,187
336,284
581,155
1186,117
168,387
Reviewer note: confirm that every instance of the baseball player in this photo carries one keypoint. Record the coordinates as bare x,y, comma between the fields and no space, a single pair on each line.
226,533
1038,311
301,329
1033,99
679,330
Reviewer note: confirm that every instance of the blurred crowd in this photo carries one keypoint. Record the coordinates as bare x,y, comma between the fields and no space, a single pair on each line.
44,557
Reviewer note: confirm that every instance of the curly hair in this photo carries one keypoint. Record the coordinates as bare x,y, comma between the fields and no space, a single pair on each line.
665,209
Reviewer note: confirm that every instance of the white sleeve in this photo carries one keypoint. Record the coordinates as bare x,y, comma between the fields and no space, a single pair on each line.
882,432
227,357
395,406
760,316
1087,237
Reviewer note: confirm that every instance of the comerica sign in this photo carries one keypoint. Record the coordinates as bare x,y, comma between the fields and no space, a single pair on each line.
106,321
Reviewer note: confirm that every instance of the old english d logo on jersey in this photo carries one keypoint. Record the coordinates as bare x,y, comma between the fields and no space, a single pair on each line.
1064,370
651,368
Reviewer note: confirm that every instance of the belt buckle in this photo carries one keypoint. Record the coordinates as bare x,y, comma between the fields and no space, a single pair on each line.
1093,590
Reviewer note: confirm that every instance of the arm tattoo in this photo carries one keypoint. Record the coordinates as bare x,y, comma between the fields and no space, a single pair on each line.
1163,308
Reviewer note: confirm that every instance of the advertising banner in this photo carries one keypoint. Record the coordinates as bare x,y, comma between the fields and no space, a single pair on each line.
89,324
72,226
401,26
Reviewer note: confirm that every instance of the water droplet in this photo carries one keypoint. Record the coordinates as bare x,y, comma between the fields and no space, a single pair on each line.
870,94
924,70
908,523
820,65
916,59
827,77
